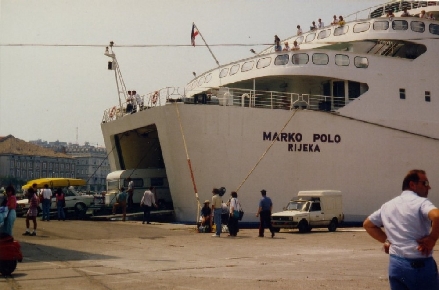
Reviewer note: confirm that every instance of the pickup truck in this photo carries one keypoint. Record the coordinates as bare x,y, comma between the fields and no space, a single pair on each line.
311,209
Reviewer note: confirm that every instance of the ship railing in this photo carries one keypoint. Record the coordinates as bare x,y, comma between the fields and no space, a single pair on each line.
267,99
395,6
152,99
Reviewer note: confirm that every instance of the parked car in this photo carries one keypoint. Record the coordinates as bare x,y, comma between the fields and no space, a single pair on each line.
74,202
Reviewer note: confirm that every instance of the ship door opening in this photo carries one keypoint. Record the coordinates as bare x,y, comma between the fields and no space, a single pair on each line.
139,150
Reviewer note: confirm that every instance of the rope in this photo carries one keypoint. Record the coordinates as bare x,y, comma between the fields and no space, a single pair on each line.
189,165
266,151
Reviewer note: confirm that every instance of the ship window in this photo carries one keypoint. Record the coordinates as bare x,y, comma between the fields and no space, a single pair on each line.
310,37
247,66
434,29
427,96
341,59
341,30
158,181
300,58
320,58
417,26
201,81
380,25
208,78
299,40
282,59
400,25
361,62
234,69
402,94
361,27
263,62
224,72
324,33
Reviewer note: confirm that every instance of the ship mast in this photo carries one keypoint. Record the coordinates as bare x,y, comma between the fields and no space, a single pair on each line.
114,65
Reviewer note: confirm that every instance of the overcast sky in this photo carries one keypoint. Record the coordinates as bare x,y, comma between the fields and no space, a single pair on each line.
52,92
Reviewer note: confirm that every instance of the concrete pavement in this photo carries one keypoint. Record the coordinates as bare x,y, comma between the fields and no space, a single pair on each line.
132,255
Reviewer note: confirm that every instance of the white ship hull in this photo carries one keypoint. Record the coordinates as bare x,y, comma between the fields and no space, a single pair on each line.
367,163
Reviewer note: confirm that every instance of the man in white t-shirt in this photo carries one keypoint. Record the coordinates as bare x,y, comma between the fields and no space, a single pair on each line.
147,202
46,192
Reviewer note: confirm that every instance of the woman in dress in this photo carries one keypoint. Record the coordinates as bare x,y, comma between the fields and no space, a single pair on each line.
12,205
233,219
60,203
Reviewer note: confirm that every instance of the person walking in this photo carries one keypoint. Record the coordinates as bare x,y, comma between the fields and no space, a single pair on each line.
147,202
12,205
46,192
32,212
121,201
130,192
264,211
217,210
60,204
411,224
235,207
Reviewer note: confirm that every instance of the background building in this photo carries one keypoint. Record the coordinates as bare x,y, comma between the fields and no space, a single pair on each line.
21,161
91,165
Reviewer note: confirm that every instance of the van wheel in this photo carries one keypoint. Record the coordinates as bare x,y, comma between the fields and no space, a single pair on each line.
80,210
303,226
333,225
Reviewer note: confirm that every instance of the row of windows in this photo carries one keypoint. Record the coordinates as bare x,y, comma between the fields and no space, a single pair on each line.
22,164
427,95
298,59
24,174
416,26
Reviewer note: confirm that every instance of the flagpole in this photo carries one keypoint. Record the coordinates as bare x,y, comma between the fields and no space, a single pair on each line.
199,32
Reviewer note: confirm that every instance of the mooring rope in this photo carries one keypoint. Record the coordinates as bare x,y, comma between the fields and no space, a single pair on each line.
189,164
266,151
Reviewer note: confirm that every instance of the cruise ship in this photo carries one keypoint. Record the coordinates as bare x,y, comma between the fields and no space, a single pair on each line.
354,109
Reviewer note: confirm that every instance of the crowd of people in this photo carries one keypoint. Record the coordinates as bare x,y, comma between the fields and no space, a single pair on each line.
405,13
314,26
9,205
226,216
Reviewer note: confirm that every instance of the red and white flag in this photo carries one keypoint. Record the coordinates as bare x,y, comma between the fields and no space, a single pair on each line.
193,34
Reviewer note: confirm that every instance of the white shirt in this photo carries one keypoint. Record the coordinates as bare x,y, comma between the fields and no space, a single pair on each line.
320,25
138,99
405,219
299,31
47,193
235,204
148,198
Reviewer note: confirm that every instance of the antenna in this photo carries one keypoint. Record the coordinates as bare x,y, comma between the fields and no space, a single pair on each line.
77,136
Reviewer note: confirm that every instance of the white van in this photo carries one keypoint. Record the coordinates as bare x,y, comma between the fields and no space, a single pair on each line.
142,179
311,209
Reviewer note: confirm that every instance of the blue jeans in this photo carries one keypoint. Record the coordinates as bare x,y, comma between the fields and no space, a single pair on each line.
411,274
217,219
60,209
9,223
46,209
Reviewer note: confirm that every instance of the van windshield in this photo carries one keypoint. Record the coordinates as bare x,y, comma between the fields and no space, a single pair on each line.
298,205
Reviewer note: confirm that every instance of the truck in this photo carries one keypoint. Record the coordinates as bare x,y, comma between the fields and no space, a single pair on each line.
142,179
311,209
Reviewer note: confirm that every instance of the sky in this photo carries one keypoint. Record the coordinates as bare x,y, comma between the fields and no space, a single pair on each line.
54,82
